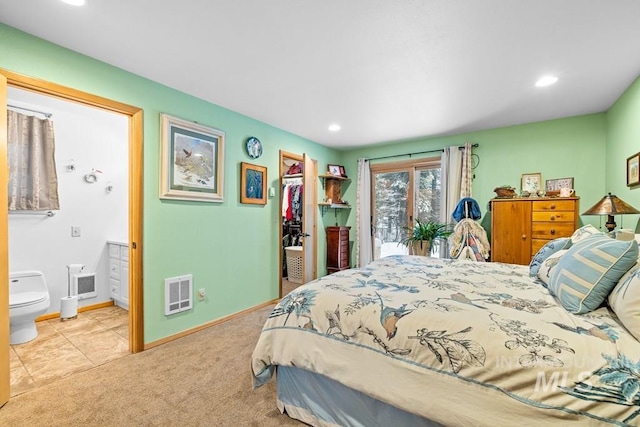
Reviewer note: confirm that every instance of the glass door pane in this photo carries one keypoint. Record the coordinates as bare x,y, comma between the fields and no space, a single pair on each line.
427,204
390,213
427,201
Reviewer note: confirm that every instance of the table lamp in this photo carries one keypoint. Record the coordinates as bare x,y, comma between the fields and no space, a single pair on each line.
611,205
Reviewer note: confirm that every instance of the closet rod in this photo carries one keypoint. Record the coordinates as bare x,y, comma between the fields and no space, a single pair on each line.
476,145
47,213
44,113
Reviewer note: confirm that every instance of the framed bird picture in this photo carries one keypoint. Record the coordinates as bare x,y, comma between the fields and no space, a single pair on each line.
192,161
253,184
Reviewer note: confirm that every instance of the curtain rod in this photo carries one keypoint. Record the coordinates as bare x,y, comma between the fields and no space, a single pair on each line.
476,145
44,113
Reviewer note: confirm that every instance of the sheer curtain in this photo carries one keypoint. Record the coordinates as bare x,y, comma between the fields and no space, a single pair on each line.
33,182
363,215
455,183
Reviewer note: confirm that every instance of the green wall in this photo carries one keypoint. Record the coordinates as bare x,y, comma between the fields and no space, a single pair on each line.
571,147
623,141
230,248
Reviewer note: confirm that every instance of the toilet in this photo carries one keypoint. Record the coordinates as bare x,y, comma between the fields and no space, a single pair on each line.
28,299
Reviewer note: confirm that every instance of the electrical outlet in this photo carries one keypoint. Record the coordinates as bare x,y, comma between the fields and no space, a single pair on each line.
201,294
75,231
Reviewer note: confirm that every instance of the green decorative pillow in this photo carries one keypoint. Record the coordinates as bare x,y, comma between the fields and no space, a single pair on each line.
624,300
546,251
590,269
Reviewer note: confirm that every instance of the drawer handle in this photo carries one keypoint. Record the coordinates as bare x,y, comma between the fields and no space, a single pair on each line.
524,237
552,207
553,218
553,232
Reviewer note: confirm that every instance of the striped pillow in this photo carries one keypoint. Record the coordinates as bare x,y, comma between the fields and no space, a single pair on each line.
589,270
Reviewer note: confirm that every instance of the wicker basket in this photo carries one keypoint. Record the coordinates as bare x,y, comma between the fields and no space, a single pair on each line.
504,193
294,263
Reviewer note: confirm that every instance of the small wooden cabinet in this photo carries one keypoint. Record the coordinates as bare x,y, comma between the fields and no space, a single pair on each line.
337,248
119,273
333,192
520,227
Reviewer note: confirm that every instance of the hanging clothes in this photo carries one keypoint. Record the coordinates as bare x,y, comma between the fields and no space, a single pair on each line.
292,199
469,239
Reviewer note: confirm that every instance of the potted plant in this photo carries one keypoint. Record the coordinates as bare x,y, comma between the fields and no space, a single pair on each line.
423,234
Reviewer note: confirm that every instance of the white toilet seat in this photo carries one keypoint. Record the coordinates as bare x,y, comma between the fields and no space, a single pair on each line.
23,299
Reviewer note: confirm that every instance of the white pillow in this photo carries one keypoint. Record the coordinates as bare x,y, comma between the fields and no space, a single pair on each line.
545,271
624,300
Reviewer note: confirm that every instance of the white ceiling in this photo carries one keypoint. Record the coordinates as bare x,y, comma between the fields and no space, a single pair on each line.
385,70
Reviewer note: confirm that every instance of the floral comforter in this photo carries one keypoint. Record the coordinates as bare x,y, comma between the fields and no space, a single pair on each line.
457,342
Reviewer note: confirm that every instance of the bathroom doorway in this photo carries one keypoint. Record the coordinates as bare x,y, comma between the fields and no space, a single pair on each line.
133,117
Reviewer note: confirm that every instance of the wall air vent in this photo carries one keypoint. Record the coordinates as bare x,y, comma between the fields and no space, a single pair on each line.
178,294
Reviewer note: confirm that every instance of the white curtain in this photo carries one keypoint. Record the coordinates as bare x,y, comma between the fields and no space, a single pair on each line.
455,183
363,215
33,182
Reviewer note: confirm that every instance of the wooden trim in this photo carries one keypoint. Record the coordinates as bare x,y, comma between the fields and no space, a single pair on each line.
136,216
417,163
64,92
5,376
208,325
136,326
55,315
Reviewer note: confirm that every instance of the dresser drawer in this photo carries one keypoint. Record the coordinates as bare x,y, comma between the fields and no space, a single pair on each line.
114,251
551,230
554,216
554,205
114,268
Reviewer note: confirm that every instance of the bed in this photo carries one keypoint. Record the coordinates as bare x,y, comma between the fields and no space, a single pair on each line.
410,340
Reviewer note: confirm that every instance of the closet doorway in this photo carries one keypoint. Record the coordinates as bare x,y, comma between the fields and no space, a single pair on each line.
135,142
298,219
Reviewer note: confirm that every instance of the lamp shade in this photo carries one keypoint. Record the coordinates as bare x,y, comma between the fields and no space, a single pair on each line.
611,205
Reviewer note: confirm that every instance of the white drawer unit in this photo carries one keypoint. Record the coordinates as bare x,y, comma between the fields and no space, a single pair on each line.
119,273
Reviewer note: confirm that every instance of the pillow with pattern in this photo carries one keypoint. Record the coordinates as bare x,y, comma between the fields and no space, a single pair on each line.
548,265
550,248
624,300
584,232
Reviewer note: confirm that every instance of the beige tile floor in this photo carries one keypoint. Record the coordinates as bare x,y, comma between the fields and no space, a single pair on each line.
63,348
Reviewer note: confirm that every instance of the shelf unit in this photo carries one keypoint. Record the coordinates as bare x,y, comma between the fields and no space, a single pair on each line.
332,186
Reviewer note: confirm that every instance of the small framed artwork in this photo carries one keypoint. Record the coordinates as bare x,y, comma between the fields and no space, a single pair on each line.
633,172
191,161
531,182
335,170
342,172
554,185
253,184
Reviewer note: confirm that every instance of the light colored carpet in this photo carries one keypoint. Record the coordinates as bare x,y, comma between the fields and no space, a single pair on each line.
203,379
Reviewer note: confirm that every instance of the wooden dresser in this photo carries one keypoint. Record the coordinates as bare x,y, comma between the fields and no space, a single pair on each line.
337,249
519,227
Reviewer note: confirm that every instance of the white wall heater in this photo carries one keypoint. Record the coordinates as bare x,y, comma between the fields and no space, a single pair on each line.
178,294
84,285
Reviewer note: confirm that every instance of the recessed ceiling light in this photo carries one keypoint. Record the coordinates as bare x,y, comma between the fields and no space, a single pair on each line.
334,127
546,81
74,2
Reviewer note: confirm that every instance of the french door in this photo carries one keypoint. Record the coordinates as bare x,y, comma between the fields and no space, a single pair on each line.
401,193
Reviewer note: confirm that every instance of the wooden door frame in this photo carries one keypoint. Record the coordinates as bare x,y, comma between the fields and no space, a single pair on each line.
135,142
298,158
